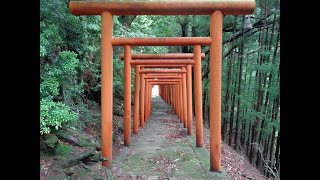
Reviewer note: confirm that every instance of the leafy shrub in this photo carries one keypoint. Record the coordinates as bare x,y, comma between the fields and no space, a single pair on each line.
53,115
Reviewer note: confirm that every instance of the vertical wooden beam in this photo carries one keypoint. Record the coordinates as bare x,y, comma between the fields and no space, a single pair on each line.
185,101
181,100
215,90
189,99
127,95
150,95
106,87
136,100
175,97
147,101
142,99
198,94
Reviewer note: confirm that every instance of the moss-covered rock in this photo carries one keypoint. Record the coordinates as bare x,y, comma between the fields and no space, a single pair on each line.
51,140
74,137
63,149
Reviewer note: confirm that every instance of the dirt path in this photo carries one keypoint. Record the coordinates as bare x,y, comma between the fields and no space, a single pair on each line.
162,150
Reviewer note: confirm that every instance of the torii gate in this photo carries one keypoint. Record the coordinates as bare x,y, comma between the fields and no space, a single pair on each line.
181,108
160,57
215,8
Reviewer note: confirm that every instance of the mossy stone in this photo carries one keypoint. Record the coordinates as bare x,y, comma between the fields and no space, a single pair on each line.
64,150
51,140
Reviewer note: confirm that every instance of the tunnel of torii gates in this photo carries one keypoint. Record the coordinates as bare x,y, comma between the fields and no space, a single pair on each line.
175,86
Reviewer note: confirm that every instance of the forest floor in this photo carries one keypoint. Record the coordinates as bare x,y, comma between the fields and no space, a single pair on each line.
236,165
161,150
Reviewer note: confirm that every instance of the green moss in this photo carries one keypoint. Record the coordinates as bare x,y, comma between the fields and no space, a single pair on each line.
80,140
138,162
108,173
51,140
64,150
84,142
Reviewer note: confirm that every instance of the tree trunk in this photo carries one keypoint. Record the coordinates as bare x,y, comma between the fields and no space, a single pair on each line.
231,118
226,107
204,104
237,135
271,149
227,96
184,33
256,133
277,154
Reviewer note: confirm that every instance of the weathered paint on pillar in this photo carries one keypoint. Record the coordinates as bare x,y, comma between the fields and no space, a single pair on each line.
142,100
215,90
127,95
185,101
189,99
198,94
106,87
136,100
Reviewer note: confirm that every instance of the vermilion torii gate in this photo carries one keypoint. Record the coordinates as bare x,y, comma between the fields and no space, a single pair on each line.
184,110
183,114
215,8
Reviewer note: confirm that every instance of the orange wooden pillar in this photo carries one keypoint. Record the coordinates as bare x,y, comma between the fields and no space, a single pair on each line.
150,102
198,94
150,91
181,101
175,99
178,102
168,94
127,95
215,90
147,85
184,98
189,99
171,96
165,93
136,100
142,100
106,87
146,101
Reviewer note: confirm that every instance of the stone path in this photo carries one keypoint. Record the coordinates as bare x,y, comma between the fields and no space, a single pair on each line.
163,150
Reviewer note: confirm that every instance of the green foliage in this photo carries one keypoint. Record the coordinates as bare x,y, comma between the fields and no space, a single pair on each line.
60,73
67,46
53,115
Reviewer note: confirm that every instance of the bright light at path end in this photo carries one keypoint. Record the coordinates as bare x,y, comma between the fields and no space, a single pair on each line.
155,91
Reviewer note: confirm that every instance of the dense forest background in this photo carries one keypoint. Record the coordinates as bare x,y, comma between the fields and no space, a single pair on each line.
70,72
